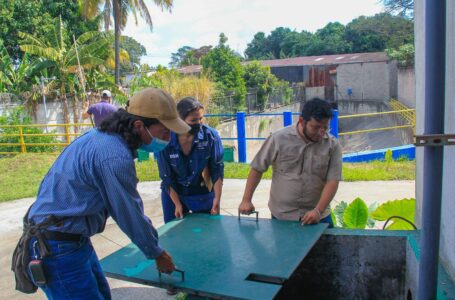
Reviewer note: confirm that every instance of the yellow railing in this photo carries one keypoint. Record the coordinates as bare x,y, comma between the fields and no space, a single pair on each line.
406,113
70,131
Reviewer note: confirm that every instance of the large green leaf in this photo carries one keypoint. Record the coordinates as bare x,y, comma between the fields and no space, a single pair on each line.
338,212
48,53
356,214
371,222
404,208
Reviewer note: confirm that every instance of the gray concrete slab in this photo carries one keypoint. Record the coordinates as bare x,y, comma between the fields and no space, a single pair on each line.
113,238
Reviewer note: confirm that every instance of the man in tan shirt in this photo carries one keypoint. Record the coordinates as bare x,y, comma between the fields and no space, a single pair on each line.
306,163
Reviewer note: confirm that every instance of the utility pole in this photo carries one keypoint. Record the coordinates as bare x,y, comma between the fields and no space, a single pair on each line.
44,96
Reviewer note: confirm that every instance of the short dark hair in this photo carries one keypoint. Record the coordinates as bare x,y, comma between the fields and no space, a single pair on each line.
187,105
121,122
317,109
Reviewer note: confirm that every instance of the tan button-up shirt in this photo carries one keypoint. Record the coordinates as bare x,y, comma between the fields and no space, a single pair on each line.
300,171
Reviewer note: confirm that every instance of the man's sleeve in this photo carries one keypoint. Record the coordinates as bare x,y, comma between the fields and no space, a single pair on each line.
266,155
90,109
216,159
335,164
119,181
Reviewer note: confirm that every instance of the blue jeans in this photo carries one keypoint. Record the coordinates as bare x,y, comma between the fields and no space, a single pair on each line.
73,271
327,220
195,203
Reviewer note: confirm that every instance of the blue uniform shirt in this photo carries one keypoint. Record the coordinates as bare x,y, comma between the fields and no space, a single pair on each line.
184,172
94,178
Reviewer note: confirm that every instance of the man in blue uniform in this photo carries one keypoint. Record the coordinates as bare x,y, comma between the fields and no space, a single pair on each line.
95,178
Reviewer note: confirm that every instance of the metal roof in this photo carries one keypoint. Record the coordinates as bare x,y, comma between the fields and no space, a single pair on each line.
333,59
193,69
327,59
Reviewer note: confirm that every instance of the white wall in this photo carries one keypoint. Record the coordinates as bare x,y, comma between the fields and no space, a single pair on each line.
315,92
369,81
407,87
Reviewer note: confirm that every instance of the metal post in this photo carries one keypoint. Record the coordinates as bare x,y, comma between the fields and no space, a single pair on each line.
241,136
334,123
67,134
435,45
44,101
287,118
21,140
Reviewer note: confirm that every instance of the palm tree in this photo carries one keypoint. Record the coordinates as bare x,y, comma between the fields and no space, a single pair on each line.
119,9
61,60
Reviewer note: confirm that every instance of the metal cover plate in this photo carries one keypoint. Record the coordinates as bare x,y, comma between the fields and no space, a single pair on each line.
218,253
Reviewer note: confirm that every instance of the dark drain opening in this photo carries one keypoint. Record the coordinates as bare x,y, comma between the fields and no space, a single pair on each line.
265,279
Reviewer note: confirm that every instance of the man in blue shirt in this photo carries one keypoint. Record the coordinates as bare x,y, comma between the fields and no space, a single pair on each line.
92,179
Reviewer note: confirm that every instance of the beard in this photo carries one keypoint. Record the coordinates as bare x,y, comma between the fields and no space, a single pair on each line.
308,137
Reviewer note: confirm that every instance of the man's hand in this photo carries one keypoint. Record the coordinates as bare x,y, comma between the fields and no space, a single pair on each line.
311,217
246,207
215,209
164,263
178,211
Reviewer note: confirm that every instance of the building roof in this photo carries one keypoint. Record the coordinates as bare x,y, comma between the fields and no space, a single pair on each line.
193,69
333,59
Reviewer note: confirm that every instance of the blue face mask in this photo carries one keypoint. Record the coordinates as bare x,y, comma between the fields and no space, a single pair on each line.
155,146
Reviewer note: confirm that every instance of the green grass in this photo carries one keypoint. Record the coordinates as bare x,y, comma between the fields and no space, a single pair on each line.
378,170
21,175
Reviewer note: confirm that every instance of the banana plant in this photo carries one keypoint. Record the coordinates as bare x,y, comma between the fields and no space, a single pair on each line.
16,79
61,59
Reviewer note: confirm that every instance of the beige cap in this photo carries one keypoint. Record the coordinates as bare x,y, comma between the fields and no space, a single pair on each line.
157,104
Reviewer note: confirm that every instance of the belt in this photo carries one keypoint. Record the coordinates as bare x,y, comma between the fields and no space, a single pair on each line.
62,236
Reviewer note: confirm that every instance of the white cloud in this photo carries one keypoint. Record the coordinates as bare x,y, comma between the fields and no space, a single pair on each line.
199,22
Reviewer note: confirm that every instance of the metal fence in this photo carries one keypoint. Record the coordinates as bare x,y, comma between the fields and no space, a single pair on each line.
255,102
70,130
26,141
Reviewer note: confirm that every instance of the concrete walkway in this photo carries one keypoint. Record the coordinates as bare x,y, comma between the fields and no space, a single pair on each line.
113,238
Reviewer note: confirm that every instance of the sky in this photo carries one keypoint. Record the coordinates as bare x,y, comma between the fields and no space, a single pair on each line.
199,23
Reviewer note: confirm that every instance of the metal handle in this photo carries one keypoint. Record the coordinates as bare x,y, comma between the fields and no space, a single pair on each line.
252,212
182,273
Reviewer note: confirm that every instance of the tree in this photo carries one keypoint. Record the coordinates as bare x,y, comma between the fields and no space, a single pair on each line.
378,32
36,17
404,8
404,55
223,67
258,48
120,9
61,60
332,39
198,54
181,58
15,79
135,50
258,77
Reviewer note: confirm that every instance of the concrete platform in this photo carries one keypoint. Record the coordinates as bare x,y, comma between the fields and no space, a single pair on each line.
112,238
